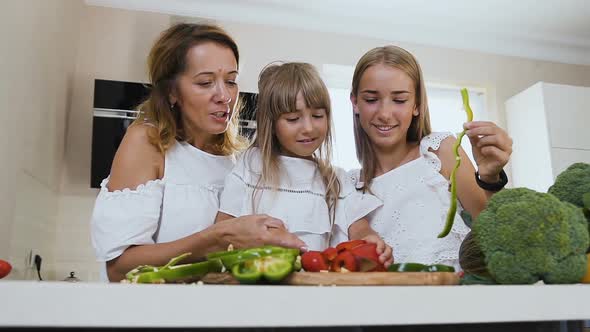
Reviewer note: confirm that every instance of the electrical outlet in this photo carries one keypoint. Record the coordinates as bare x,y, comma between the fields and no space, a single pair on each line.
30,258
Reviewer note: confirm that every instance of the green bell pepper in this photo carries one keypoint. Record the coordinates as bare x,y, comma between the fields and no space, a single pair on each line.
248,272
172,272
272,268
453,206
231,258
417,267
439,268
406,267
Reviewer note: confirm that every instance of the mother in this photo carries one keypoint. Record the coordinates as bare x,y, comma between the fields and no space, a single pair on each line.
162,195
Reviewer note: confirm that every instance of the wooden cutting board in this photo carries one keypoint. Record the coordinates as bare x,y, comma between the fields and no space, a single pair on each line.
352,279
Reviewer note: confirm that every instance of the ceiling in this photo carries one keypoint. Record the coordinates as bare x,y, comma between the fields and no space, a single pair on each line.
552,30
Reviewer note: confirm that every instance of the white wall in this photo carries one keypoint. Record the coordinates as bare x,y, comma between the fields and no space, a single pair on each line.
39,41
113,44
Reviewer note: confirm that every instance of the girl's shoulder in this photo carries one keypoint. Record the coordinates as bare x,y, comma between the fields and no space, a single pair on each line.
435,141
249,161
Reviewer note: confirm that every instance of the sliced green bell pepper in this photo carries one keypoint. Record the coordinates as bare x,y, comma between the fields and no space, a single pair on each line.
276,268
417,267
172,272
231,258
439,268
406,267
272,268
453,204
248,272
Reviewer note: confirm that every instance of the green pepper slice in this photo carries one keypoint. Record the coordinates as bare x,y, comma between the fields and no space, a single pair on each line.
177,273
219,254
248,272
453,206
271,250
439,268
406,267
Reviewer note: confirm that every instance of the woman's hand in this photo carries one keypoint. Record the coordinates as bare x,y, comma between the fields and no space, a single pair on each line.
492,148
257,230
383,249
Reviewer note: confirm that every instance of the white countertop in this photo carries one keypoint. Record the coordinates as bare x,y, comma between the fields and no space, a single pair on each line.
26,303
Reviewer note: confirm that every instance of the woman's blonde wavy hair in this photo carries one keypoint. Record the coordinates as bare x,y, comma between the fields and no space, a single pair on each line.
403,60
166,61
278,86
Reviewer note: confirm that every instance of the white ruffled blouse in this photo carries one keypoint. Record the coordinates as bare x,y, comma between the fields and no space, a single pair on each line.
298,199
183,202
416,199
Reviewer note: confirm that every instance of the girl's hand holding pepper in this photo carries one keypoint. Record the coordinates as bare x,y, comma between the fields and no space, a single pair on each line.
492,148
383,249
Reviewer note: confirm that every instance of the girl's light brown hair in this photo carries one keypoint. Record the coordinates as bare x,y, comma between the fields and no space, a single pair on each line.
166,61
403,60
278,86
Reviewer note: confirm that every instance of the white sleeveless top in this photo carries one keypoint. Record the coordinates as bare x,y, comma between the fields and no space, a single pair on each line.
298,199
183,202
416,199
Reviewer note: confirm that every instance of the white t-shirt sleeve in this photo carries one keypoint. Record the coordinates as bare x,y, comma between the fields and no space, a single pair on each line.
123,218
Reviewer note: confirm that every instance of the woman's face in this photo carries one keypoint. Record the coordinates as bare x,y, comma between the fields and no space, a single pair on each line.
385,104
302,132
207,91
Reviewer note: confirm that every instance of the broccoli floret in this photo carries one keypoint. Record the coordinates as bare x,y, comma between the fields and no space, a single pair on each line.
526,236
571,184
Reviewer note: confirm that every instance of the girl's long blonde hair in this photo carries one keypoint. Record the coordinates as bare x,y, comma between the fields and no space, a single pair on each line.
278,86
403,60
166,61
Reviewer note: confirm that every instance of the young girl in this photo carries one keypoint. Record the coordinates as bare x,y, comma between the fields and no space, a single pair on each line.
408,167
287,172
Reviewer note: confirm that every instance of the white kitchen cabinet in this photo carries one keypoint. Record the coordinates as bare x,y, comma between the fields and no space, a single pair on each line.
549,124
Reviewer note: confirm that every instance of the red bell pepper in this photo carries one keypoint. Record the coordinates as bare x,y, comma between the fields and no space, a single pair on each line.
346,260
348,245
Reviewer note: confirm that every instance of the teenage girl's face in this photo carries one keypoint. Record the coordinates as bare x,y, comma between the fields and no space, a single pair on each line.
301,133
207,90
385,104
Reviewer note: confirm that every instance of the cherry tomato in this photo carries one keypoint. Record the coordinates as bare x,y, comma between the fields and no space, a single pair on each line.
313,261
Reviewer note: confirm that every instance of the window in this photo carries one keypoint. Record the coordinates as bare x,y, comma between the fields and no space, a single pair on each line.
445,107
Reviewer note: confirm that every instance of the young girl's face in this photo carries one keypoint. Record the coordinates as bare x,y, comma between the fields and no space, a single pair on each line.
386,104
301,133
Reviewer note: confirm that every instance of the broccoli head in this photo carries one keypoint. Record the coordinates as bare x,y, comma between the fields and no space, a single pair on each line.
572,184
526,236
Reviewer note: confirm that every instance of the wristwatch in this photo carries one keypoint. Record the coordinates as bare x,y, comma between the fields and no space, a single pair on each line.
492,186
